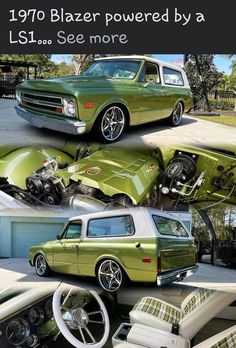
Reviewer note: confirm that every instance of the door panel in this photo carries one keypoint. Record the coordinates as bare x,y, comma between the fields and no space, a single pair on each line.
153,96
66,250
66,256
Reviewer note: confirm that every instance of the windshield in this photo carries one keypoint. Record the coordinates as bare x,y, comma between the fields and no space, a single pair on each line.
116,69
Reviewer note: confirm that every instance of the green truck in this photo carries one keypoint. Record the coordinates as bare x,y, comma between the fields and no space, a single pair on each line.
139,244
112,94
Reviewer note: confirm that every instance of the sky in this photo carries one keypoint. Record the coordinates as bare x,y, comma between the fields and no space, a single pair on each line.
221,61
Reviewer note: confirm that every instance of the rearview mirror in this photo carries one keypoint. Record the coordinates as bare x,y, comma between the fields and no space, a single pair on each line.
58,237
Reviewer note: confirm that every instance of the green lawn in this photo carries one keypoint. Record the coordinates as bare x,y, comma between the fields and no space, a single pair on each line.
222,119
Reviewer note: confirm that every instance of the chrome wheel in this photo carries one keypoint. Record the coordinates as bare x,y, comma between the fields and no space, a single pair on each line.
177,114
112,123
110,275
40,265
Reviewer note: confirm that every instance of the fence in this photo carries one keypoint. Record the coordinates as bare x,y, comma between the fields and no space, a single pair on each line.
8,86
217,252
223,100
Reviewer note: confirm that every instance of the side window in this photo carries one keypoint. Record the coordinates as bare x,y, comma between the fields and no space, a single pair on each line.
169,227
73,230
111,226
173,77
150,73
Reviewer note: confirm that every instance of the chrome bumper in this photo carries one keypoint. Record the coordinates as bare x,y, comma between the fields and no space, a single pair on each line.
176,275
43,121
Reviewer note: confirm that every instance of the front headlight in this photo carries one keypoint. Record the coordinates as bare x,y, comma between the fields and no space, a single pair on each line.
69,107
18,96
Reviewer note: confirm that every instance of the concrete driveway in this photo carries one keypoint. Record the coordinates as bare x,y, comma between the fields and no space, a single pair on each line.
17,273
15,130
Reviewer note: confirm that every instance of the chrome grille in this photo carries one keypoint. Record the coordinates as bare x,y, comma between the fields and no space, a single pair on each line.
42,101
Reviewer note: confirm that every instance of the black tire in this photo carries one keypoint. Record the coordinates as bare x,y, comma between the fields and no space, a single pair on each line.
110,124
41,266
105,280
176,117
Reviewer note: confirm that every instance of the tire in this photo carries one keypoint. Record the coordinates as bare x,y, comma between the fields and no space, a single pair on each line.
110,124
41,266
176,117
107,282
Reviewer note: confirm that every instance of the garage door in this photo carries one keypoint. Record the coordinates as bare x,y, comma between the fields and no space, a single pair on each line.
25,235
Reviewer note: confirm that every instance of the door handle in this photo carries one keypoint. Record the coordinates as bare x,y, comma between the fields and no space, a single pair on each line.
75,246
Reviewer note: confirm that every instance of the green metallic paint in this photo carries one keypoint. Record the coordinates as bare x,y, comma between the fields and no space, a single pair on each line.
131,173
18,163
82,257
209,160
144,103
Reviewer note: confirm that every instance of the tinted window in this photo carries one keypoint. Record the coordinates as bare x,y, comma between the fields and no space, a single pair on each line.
117,69
169,227
173,77
73,231
112,226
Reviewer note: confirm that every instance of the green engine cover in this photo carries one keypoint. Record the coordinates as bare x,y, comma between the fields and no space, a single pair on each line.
115,171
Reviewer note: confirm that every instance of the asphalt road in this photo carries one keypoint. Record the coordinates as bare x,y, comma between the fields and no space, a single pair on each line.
15,130
17,273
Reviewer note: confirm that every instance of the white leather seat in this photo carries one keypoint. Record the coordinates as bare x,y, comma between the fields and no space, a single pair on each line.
196,310
225,339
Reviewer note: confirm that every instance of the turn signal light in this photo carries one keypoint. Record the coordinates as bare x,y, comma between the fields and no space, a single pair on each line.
89,105
59,110
147,260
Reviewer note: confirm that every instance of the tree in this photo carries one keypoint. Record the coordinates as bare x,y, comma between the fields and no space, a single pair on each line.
216,223
43,62
82,61
209,79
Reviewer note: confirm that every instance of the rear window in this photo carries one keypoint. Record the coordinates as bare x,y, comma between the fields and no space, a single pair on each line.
173,77
169,227
111,227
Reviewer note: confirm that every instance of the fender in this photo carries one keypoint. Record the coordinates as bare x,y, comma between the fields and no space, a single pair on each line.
19,163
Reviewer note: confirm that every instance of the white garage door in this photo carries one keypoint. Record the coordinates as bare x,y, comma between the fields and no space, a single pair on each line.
24,235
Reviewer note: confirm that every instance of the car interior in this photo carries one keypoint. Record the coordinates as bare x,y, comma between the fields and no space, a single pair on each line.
67,316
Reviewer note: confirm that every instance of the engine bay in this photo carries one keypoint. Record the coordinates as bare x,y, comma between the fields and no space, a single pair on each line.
112,177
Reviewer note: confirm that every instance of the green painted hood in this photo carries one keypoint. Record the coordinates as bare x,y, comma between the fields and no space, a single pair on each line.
17,164
114,171
69,84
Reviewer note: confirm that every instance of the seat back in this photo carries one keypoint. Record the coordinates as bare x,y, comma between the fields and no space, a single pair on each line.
195,299
225,339
200,307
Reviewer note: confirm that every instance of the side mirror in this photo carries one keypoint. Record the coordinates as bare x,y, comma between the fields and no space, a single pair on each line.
58,237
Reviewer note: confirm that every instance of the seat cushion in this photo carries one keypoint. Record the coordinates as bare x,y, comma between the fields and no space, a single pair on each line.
156,313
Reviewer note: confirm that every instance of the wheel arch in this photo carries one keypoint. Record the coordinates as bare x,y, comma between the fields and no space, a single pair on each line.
39,252
109,257
180,100
121,103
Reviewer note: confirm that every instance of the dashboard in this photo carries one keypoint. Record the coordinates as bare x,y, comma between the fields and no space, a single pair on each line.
24,329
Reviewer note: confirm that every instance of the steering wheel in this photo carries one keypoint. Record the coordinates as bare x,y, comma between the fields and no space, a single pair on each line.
77,318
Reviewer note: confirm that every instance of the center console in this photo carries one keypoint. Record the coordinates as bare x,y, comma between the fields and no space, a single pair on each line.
148,337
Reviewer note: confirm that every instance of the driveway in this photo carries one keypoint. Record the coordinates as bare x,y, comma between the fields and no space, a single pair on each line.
15,130
18,273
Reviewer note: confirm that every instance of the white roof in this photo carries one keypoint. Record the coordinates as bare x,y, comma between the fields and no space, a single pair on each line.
148,59
122,211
